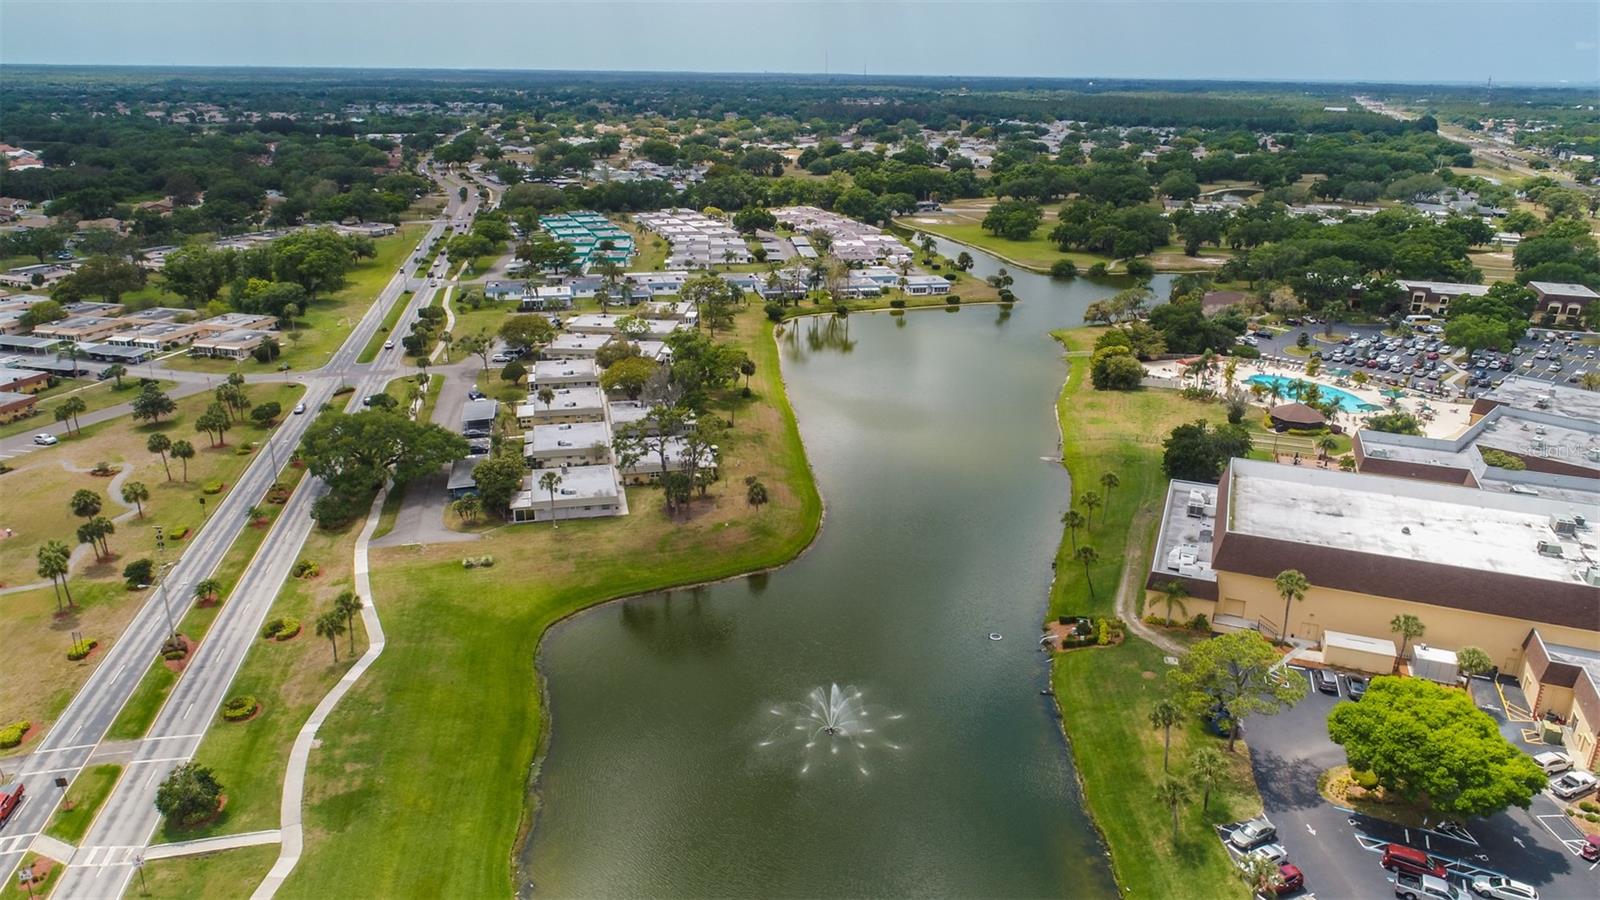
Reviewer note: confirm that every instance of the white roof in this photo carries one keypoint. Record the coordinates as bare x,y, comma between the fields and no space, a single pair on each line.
549,369
1433,654
1564,288
569,437
1359,642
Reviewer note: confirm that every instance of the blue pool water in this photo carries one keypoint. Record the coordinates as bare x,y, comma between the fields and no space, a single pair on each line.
1292,387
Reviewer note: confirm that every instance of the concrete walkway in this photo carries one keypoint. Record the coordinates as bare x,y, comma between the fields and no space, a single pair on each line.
294,780
55,848
213,844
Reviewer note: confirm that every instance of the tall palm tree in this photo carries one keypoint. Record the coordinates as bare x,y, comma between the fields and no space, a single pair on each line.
1326,444
1090,502
1164,715
1408,627
1175,592
117,370
1110,482
136,493
330,626
1073,520
347,604
73,406
1172,793
160,443
85,503
55,563
549,481
1209,768
1292,585
1088,556
183,451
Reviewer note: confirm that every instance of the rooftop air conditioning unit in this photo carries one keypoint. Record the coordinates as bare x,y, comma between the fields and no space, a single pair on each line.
1550,549
1591,576
1564,526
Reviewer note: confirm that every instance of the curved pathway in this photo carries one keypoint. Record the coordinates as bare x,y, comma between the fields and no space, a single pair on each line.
113,489
292,828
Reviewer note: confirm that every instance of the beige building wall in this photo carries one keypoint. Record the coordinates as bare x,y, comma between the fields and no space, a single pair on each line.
1254,597
1581,744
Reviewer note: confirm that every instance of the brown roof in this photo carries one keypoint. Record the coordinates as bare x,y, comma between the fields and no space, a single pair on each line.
1297,414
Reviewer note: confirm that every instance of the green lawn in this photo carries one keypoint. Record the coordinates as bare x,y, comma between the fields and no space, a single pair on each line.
1104,694
391,766
1105,700
96,395
1118,432
229,873
329,320
90,789
385,331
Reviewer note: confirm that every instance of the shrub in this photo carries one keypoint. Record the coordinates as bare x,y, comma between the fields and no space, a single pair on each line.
138,573
81,649
774,311
240,708
1364,779
1098,270
897,303
1245,351
11,735
477,562
288,628
214,487
1103,633
1589,806
1063,268
1200,623
272,627
102,468
177,532
952,299
305,568
1140,268
174,655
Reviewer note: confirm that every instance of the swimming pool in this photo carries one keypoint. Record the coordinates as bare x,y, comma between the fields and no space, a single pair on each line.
1292,387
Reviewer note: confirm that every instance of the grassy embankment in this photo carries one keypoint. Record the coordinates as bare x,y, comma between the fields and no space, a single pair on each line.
229,873
96,395
40,680
1105,694
330,319
90,789
392,764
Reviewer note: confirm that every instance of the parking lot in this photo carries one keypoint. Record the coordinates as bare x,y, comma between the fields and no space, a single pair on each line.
1549,355
1339,850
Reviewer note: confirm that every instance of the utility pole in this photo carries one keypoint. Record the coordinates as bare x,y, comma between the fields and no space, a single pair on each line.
161,581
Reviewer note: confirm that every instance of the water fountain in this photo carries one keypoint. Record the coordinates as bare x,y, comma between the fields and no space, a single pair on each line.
831,723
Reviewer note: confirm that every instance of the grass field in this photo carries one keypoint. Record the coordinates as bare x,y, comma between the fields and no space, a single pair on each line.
1105,694
90,789
96,395
328,321
39,678
1118,432
229,873
392,764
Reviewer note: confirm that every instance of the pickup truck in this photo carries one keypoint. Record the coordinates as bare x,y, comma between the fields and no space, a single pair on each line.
1425,887
10,799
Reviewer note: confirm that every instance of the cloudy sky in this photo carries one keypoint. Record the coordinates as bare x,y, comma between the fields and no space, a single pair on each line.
1402,40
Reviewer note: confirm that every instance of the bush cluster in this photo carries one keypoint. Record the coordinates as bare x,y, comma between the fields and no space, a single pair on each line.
213,487
11,735
477,562
305,568
239,708
897,303
81,649
281,628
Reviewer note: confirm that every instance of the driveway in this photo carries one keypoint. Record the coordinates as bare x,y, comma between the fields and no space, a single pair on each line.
1338,849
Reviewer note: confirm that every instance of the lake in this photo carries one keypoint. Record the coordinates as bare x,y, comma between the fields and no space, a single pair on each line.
678,763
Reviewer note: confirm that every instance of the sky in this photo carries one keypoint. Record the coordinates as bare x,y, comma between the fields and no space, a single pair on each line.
1511,41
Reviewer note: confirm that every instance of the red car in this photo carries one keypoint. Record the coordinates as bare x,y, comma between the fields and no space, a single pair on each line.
1290,879
10,799
1591,848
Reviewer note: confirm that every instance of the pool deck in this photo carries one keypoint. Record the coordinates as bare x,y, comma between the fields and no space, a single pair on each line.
1449,419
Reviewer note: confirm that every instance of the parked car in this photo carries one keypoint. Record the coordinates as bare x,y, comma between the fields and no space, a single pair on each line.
45,440
1502,888
1572,785
1253,832
1326,681
1403,859
10,799
1276,854
1425,887
1289,880
474,394
1356,687
1590,850
1553,763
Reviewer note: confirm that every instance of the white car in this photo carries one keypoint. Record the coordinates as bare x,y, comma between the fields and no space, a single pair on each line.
1553,763
1572,785
45,440
1272,853
1502,888
388,345
1251,833
300,407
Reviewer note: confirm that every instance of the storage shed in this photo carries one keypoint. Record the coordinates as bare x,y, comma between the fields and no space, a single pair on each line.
1434,664
1358,652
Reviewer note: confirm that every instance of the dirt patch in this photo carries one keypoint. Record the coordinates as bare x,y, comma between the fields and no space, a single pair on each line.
42,866
1147,676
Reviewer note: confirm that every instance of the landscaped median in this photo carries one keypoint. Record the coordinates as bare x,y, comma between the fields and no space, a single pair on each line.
88,791
1106,693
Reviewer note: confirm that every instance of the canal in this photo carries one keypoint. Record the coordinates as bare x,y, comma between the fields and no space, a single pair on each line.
679,762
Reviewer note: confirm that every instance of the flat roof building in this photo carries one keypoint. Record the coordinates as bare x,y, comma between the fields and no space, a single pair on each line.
567,444
14,405
23,381
236,344
581,404
584,492
563,373
575,346
79,328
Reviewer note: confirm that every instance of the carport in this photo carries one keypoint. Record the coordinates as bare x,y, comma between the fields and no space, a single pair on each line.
1358,652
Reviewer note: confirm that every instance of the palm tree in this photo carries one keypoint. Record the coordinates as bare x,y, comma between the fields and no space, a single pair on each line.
549,481
1326,444
1209,768
1164,715
136,493
55,563
207,589
1090,501
183,451
330,625
73,406
1110,482
547,397
756,494
254,514
1292,585
1175,592
1408,627
117,370
85,503
347,604
1088,556
467,508
1073,520
160,443
1172,793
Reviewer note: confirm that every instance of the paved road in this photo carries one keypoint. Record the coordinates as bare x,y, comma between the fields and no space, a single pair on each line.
102,866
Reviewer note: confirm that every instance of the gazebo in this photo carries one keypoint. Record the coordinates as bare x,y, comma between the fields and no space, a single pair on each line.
1296,415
